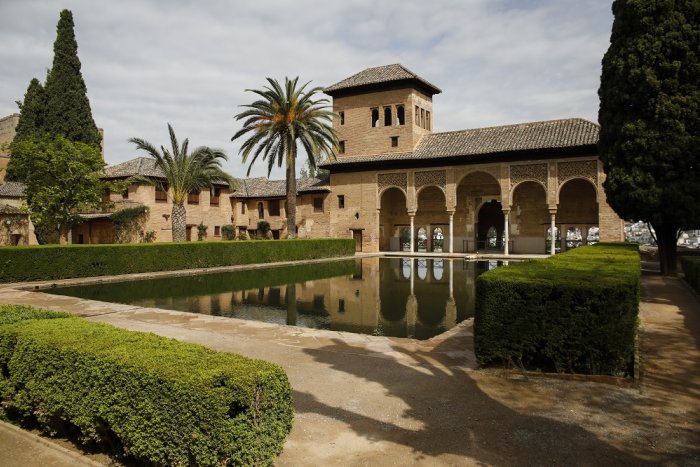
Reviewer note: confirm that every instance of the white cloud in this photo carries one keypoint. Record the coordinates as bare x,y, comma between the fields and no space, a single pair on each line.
147,63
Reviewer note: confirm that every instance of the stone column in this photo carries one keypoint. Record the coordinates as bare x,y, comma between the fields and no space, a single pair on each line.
552,227
413,273
452,231
506,229
413,239
379,231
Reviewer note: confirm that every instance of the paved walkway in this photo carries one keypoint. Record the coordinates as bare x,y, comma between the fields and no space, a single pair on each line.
364,400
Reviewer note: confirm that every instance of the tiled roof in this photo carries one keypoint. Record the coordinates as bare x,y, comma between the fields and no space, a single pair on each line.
12,189
7,209
378,75
143,166
262,187
552,134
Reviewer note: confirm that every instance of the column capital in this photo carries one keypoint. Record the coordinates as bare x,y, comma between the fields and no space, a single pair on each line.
552,211
451,212
411,213
506,211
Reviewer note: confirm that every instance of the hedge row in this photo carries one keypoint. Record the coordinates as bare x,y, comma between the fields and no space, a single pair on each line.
575,312
160,401
691,269
64,261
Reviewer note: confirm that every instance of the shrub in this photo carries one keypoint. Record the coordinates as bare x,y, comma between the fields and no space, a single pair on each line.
227,232
161,401
64,261
575,312
691,269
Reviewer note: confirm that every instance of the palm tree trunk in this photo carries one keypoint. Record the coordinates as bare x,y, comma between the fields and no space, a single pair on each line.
292,192
179,217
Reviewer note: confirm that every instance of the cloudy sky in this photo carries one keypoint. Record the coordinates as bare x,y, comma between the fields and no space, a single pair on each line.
147,63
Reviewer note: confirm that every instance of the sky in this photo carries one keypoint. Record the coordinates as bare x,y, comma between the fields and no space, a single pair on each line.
147,63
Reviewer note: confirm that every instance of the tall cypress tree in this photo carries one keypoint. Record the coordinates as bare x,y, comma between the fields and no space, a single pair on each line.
32,112
67,107
650,117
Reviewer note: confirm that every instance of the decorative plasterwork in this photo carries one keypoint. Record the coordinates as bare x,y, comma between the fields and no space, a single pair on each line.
397,179
431,177
528,172
578,169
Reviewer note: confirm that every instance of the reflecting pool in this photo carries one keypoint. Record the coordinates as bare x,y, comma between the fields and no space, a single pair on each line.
401,297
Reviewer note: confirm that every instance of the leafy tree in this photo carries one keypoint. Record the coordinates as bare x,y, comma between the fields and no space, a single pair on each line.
650,117
185,173
62,177
284,116
68,110
32,112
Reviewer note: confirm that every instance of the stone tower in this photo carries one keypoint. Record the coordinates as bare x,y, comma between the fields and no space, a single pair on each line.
381,110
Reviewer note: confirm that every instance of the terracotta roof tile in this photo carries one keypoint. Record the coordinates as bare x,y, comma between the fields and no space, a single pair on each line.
143,166
262,187
572,132
12,189
378,75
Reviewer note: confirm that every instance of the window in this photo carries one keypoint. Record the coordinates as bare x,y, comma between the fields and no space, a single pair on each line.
105,195
341,305
416,120
215,196
375,118
273,207
422,118
341,147
341,201
400,117
261,211
217,231
242,207
394,141
161,192
387,116
318,204
125,193
427,119
193,197
341,117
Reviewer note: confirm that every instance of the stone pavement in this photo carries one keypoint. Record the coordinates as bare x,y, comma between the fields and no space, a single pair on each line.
365,400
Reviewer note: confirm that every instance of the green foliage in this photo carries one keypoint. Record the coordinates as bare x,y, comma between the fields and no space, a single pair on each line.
227,232
127,223
148,236
650,117
275,124
691,269
201,231
14,313
161,401
185,173
68,110
64,261
575,312
32,113
61,178
263,227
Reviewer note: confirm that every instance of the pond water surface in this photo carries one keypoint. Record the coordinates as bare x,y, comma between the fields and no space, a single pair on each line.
401,297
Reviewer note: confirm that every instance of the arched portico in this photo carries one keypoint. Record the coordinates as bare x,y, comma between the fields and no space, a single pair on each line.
431,213
577,211
394,222
529,217
475,190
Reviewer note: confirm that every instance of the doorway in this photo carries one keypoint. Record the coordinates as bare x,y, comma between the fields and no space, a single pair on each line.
357,236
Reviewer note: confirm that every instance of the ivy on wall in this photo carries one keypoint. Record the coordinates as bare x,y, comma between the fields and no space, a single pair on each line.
128,223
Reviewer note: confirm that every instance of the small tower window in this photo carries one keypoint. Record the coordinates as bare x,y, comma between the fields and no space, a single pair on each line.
375,118
422,118
341,201
417,118
341,117
341,147
261,211
400,117
427,119
387,116
394,141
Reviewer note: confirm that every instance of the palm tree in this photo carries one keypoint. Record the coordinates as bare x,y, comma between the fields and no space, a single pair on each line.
185,173
284,116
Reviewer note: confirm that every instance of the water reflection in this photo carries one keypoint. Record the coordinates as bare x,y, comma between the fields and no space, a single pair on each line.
402,297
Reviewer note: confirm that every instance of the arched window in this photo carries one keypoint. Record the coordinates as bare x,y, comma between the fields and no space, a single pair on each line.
593,235
438,269
400,115
387,116
573,237
406,268
422,269
406,239
261,210
492,237
422,239
375,118
438,239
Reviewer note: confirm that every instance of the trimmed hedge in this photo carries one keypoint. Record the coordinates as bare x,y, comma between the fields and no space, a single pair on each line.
691,270
575,312
161,401
64,261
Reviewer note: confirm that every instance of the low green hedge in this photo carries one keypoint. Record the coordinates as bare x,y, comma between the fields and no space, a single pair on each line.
575,312
161,401
63,261
691,269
